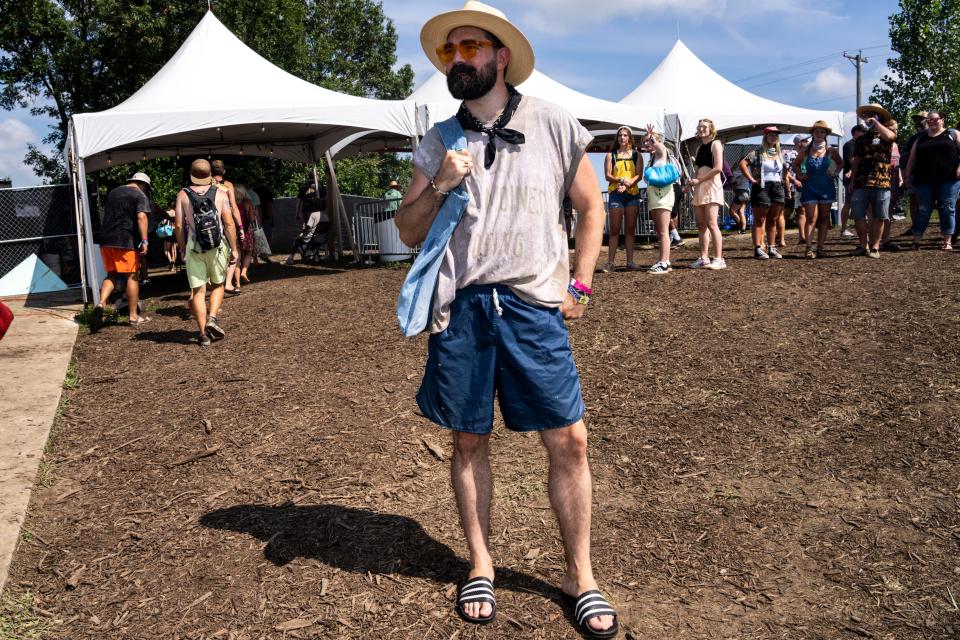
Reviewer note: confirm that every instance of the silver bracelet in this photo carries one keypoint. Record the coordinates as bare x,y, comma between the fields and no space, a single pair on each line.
437,189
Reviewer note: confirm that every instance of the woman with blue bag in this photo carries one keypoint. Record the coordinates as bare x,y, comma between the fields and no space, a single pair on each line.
164,231
660,177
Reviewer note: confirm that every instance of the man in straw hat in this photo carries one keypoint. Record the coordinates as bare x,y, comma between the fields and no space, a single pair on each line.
209,265
123,243
872,178
504,290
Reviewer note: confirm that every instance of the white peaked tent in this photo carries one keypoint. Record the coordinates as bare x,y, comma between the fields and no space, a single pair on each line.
688,90
434,103
247,106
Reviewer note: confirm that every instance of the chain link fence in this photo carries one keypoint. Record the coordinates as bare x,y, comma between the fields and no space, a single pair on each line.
40,221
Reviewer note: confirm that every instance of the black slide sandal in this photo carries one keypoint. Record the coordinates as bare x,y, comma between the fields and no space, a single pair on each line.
479,589
589,605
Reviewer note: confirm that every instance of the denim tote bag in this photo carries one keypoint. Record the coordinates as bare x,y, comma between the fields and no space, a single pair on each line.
415,303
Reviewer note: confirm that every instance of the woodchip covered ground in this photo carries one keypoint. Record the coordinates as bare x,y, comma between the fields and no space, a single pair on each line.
775,450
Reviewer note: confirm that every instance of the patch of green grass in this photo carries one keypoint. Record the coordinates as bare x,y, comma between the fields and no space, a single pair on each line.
109,315
21,620
46,474
72,380
25,536
401,265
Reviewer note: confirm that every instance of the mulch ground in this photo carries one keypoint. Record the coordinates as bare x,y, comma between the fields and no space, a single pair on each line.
775,450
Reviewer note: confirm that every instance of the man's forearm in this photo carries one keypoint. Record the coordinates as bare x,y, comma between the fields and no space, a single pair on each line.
414,220
588,242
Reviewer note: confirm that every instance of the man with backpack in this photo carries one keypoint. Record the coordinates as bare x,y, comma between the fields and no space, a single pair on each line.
202,221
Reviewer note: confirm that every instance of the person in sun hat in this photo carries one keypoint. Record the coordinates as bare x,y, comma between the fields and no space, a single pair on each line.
205,265
816,167
872,178
124,241
393,196
489,215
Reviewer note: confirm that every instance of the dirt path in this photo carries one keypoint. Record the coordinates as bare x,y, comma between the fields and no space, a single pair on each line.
775,450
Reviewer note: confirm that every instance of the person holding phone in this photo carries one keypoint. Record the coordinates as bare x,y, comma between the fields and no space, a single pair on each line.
872,178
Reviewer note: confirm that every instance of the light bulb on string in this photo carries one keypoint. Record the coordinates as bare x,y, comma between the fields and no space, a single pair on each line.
109,160
262,128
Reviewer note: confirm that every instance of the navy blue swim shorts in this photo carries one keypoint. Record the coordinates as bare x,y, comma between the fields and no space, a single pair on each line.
498,345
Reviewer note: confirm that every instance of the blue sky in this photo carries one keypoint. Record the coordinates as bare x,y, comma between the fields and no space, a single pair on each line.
785,50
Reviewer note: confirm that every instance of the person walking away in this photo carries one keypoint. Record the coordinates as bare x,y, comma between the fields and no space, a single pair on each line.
206,236
623,167
266,207
848,147
816,166
248,220
660,177
896,186
872,178
504,290
934,173
124,241
165,232
219,175
765,170
708,195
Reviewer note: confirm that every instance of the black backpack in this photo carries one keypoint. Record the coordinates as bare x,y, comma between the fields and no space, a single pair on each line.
206,218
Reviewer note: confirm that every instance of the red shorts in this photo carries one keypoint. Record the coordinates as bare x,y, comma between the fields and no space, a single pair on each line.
120,260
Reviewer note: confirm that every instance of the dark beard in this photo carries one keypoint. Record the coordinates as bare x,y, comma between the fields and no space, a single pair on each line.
466,83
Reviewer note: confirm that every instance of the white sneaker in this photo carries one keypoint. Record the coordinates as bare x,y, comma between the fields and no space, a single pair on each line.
660,267
717,264
848,234
700,263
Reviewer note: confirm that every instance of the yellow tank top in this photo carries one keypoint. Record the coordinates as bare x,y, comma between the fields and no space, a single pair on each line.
623,167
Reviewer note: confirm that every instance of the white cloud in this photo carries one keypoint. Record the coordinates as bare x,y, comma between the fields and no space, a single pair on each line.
832,82
14,134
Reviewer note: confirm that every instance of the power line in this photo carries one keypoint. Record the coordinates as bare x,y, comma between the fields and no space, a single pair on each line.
807,62
796,75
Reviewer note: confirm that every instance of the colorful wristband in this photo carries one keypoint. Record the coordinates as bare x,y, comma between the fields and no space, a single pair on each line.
579,286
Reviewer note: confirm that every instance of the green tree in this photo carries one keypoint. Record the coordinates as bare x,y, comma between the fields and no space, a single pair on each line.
60,57
925,34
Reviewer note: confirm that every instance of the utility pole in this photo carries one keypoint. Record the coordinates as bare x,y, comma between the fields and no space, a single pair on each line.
858,61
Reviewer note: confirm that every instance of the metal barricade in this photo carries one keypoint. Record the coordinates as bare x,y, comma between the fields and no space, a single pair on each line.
376,234
39,220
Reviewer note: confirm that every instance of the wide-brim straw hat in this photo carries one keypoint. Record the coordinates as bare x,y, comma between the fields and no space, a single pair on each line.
481,16
821,124
200,172
873,108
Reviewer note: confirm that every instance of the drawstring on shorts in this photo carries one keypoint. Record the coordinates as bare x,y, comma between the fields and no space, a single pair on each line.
496,303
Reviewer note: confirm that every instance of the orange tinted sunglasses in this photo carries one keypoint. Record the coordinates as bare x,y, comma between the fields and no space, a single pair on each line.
468,50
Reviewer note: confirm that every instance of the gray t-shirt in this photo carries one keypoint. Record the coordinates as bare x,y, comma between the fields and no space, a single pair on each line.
512,231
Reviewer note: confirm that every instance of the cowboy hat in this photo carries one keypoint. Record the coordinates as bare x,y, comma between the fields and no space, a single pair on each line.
821,124
485,17
873,108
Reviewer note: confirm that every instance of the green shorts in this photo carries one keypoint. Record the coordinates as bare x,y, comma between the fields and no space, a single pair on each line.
206,266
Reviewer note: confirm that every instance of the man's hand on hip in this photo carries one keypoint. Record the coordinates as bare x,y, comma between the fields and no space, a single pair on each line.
570,309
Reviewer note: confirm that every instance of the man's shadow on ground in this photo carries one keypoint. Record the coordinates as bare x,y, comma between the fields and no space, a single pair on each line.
358,541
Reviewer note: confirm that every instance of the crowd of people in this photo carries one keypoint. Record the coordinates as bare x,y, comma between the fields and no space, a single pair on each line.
802,183
235,221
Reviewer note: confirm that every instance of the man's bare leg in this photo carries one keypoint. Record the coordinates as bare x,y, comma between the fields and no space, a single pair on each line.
216,299
106,289
473,486
198,305
571,496
133,295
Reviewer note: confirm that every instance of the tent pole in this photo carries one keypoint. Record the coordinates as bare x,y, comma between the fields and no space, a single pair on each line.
341,208
72,164
87,231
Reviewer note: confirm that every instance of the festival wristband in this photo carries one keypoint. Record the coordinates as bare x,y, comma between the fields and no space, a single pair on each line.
578,296
579,286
